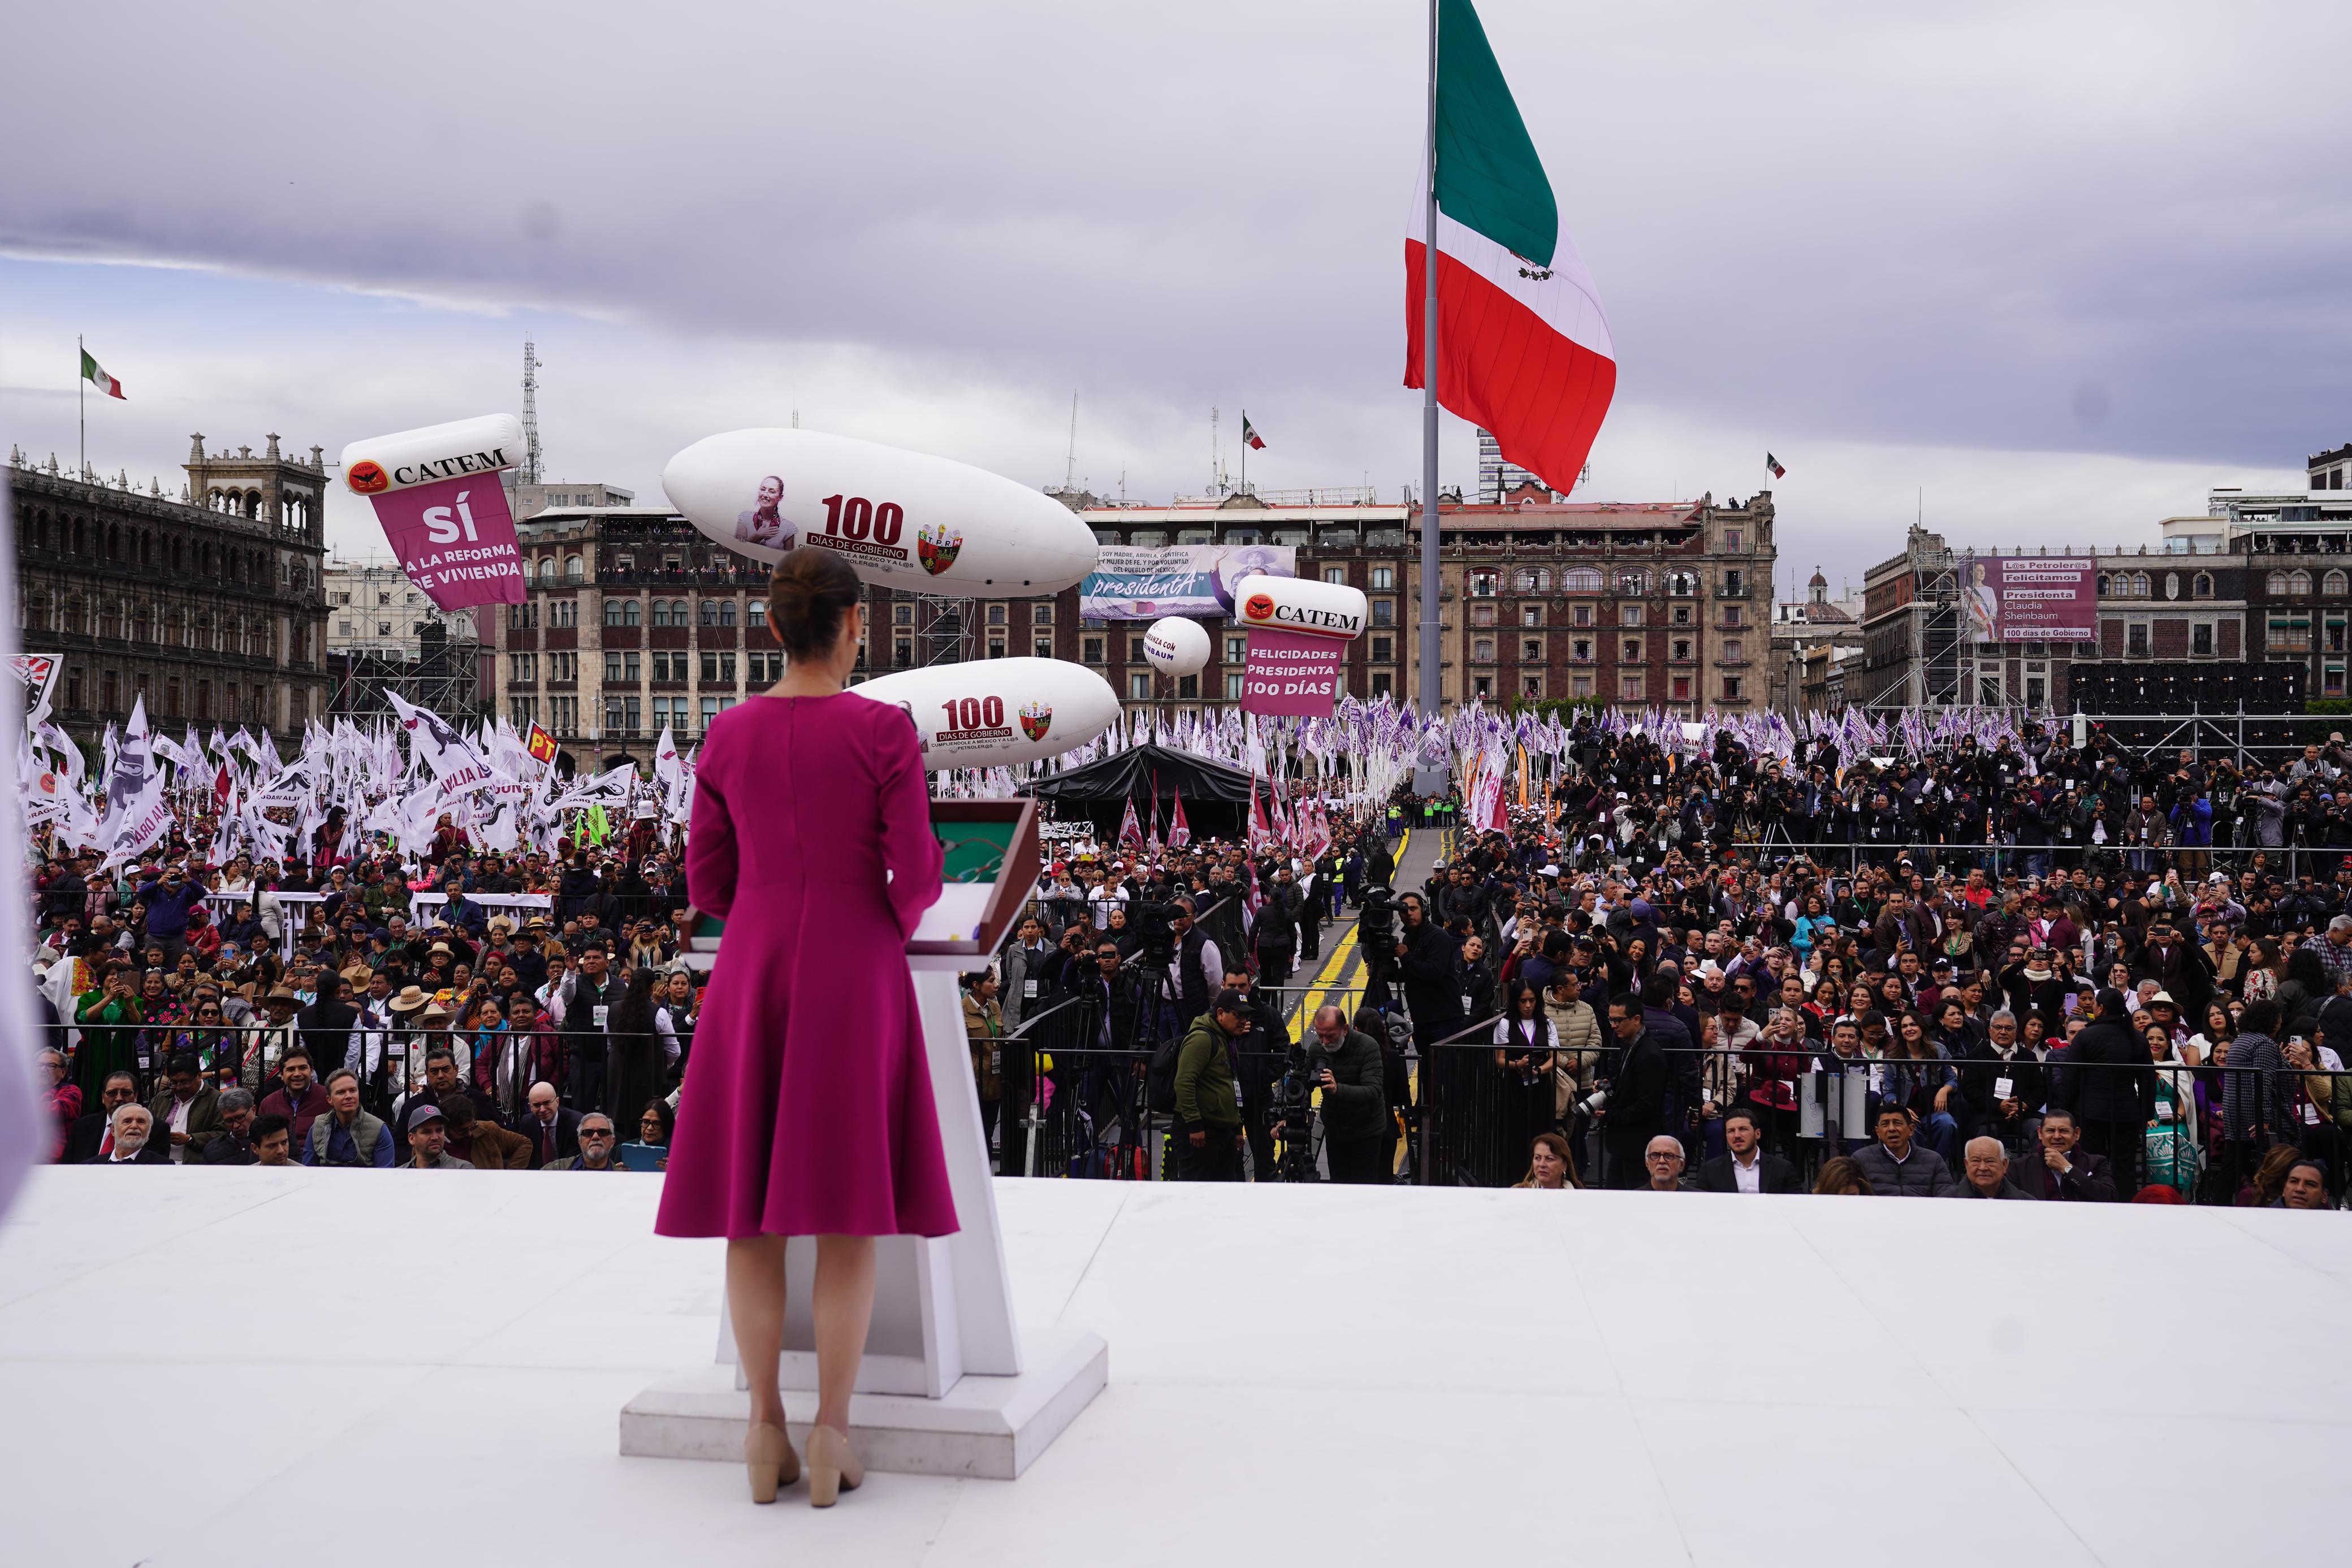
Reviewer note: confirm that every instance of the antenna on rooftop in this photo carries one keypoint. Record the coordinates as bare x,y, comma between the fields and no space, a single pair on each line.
1071,471
530,412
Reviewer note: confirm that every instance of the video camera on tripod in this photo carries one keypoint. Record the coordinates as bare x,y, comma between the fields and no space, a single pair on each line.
1291,1116
1154,924
1377,928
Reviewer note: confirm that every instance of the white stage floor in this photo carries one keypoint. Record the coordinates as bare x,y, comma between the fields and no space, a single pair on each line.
225,1366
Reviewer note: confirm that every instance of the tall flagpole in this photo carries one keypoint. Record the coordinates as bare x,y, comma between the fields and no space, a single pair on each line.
1244,452
81,407
1429,623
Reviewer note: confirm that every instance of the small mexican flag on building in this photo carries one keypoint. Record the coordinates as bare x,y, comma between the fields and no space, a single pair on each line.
1250,437
1774,464
91,372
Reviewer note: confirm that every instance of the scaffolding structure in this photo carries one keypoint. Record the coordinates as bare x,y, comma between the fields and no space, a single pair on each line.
444,676
943,630
1931,675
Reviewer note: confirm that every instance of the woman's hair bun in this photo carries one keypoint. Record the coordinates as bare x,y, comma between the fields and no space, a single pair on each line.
808,594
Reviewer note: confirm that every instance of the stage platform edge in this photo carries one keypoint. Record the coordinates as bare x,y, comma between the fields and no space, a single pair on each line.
991,1427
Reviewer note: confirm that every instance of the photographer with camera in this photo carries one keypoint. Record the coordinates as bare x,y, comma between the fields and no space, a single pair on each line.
1258,1053
1208,1108
1631,1106
1347,1065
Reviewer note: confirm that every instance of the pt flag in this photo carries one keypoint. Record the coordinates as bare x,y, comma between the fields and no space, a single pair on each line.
1523,348
98,378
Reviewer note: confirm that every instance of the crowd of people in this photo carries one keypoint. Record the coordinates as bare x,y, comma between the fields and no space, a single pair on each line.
460,1009
2027,968
2027,974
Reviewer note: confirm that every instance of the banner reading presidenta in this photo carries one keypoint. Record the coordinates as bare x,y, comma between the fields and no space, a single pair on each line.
1136,583
2029,599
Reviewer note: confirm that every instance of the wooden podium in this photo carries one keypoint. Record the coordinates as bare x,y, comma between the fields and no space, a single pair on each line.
949,1384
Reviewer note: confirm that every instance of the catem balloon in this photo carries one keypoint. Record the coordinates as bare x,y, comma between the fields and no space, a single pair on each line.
903,519
1301,605
990,713
1176,647
432,453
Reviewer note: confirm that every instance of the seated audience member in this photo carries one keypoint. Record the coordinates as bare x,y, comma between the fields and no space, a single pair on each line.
2063,1171
1842,1177
1744,1166
93,1135
233,1145
299,1097
347,1134
134,1126
428,1133
1986,1170
187,1113
596,1146
1551,1166
1895,1166
1663,1161
481,1144
553,1127
61,1096
273,1141
2305,1187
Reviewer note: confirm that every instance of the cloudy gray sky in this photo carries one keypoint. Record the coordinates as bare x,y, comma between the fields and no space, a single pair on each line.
2060,267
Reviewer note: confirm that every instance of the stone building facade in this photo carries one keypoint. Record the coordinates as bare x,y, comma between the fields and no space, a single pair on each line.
211,607
634,621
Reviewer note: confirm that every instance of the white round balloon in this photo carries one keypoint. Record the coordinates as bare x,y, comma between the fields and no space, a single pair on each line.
1176,647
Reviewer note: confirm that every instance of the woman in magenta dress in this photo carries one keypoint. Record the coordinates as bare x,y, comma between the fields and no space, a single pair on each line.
807,1105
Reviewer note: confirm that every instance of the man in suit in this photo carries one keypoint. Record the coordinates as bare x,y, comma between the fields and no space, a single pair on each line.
1636,1109
1747,1168
2065,1173
91,1135
134,1127
552,1128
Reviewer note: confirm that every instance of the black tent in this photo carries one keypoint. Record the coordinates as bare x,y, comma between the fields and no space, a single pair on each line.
1216,798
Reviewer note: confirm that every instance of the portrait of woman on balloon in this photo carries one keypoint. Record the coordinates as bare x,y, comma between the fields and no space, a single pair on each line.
765,523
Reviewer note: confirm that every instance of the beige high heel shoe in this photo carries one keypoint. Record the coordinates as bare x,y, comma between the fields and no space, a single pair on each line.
833,1466
769,1458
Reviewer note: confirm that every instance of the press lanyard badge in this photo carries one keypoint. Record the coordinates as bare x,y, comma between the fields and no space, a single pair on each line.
2002,1088
599,1013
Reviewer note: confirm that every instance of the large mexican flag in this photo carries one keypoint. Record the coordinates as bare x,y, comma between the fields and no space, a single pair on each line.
1523,349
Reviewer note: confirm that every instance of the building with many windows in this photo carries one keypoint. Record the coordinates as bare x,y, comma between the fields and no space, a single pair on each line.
2249,601
1642,604
634,621
211,606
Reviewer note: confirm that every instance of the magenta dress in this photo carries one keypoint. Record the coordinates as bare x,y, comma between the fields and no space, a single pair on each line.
807,1107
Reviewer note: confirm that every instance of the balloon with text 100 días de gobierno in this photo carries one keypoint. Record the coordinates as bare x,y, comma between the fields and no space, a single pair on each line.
991,712
903,519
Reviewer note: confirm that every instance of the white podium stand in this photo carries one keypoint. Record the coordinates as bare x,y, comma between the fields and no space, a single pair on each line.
950,1384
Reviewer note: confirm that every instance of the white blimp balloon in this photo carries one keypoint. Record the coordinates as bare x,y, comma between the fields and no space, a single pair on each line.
1299,605
1176,647
991,712
904,520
